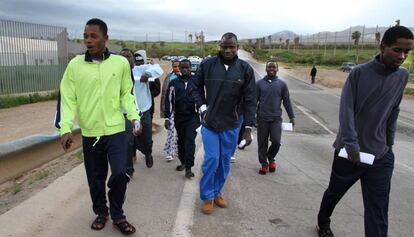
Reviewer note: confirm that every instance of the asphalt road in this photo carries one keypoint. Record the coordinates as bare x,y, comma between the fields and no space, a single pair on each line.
161,202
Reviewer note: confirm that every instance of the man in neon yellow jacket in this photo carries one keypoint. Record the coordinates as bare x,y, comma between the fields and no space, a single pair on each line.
96,86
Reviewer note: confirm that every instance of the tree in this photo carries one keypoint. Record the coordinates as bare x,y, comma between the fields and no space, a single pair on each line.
296,42
377,37
280,43
197,39
356,35
287,43
258,41
191,37
270,41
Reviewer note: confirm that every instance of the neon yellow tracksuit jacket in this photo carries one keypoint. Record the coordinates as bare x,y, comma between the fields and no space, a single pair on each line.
96,92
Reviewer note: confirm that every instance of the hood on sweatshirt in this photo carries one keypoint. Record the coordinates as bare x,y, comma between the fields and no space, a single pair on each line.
141,54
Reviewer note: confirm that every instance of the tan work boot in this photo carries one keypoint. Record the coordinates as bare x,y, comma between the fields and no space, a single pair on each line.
219,201
207,207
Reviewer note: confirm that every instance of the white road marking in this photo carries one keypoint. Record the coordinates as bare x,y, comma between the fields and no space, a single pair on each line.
185,214
301,108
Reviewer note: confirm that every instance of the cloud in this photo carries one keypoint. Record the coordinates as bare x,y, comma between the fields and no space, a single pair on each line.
138,19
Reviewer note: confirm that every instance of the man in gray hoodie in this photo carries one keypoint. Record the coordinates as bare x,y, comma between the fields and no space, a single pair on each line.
367,123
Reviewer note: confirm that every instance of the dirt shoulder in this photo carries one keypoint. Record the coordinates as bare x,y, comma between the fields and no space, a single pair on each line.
326,77
14,192
27,120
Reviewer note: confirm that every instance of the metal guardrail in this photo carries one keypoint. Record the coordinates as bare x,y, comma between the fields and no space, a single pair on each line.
22,155
28,153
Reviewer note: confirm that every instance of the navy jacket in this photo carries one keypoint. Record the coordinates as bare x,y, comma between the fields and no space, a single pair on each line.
222,90
178,101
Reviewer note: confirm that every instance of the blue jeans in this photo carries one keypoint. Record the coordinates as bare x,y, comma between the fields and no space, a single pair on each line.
218,148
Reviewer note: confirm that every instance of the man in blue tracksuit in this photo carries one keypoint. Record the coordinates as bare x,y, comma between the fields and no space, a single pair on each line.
219,85
368,115
186,118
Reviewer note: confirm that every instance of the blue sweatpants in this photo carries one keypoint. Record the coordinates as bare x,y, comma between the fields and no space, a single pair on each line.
218,148
241,120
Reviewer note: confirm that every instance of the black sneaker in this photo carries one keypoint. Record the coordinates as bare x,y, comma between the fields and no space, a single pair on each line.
149,161
180,167
189,174
130,173
324,231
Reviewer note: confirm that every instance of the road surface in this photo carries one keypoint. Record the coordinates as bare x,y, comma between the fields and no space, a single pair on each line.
161,202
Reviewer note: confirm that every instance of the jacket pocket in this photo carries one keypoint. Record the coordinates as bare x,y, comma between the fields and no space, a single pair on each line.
114,115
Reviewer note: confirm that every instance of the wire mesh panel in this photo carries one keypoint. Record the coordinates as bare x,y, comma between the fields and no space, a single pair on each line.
33,57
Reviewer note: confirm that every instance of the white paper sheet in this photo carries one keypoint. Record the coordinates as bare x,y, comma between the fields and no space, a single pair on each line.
243,142
287,126
365,158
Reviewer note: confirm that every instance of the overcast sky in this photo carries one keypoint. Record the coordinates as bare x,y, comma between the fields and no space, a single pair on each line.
153,19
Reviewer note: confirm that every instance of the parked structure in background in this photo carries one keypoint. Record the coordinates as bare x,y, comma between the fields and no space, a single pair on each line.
33,57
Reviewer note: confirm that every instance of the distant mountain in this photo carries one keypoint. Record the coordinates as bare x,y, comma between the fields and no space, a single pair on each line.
328,36
286,34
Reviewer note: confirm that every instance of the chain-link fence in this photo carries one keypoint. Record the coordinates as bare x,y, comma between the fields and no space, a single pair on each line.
356,44
33,57
354,35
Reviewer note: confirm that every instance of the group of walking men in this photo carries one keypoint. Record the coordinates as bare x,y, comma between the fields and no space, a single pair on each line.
99,87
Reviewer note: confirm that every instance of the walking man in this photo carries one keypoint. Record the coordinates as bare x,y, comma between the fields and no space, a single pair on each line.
96,86
367,123
143,74
271,92
313,74
186,118
219,85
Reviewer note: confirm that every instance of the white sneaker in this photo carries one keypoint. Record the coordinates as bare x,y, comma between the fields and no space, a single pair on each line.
233,159
169,158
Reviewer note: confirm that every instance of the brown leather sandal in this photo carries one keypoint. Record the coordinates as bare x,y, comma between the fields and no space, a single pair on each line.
99,222
124,227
